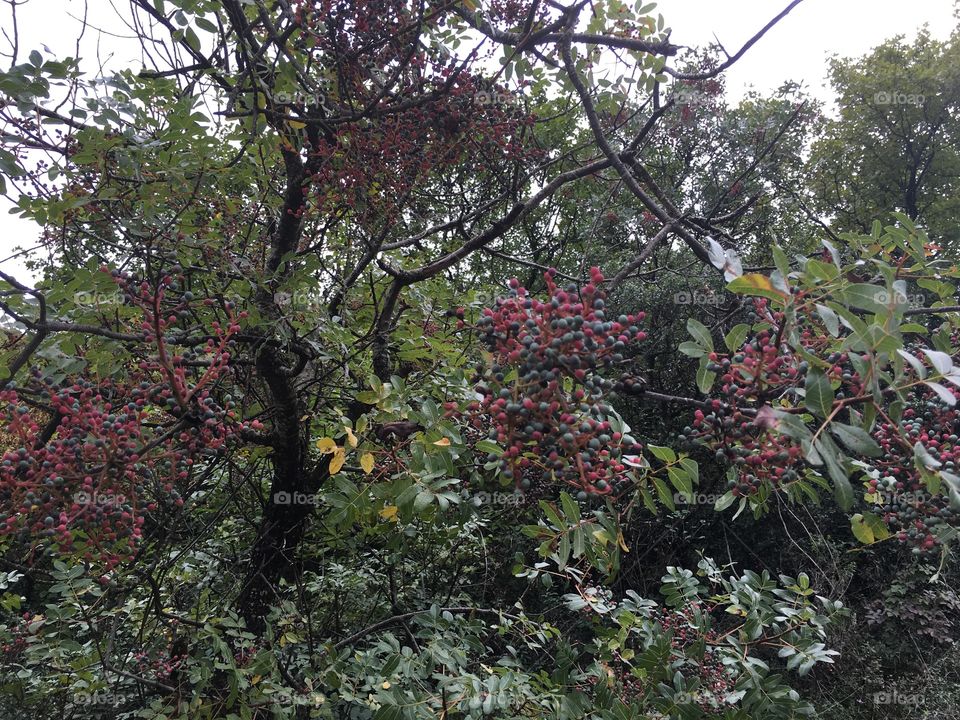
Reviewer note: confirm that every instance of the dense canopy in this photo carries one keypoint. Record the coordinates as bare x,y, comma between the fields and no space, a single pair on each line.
391,360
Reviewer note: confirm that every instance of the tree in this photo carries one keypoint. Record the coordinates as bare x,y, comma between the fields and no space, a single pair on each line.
894,145
271,387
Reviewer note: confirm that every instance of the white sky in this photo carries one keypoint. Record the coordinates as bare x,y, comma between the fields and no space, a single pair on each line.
796,49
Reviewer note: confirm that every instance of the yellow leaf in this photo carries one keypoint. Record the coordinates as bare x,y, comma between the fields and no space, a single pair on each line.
366,462
755,284
622,543
389,513
326,445
337,461
296,125
351,438
443,442
255,679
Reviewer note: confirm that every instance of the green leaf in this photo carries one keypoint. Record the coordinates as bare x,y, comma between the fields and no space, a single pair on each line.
663,492
940,360
725,501
191,38
734,339
205,24
570,508
865,297
700,333
648,500
551,512
943,392
842,490
833,252
490,447
923,458
830,320
681,481
663,453
856,439
819,394
705,377
692,349
877,526
781,260
861,530
693,470
423,499
918,367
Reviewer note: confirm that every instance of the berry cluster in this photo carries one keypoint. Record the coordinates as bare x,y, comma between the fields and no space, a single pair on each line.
543,390
695,647
762,371
693,651
119,447
16,643
161,667
899,492
395,154
740,428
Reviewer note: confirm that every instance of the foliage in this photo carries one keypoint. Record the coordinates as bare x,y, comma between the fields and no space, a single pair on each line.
282,440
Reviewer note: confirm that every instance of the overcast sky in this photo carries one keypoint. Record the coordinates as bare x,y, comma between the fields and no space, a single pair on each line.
799,46
796,49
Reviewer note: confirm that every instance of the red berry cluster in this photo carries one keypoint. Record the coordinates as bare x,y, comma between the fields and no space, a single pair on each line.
738,426
510,12
695,646
454,133
161,667
899,493
741,429
693,653
119,447
452,125
543,391
16,643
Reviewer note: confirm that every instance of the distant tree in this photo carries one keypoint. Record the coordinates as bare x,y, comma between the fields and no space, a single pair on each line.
895,144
